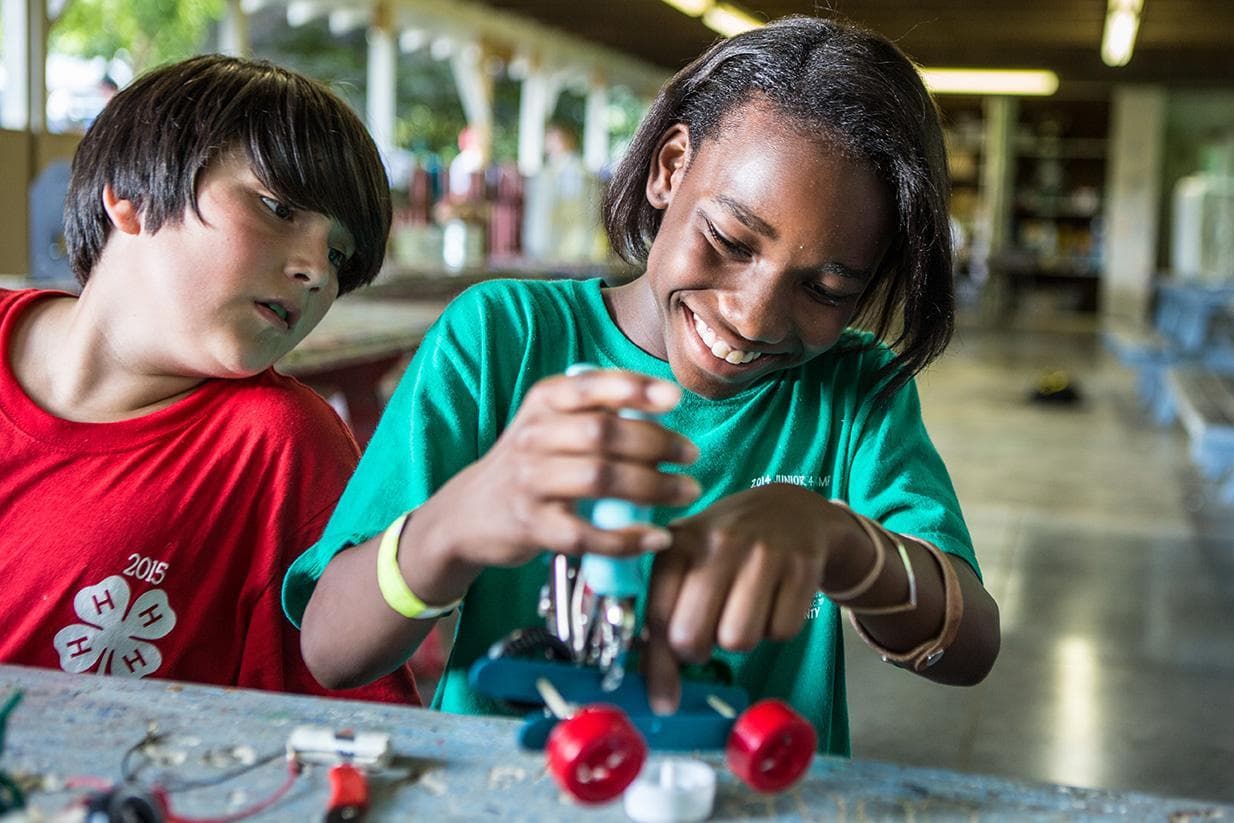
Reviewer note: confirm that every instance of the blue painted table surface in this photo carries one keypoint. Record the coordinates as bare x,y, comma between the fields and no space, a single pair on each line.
70,730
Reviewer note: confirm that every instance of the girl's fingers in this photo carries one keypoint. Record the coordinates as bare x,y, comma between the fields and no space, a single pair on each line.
660,665
746,610
558,530
663,676
580,478
696,615
793,603
605,433
606,389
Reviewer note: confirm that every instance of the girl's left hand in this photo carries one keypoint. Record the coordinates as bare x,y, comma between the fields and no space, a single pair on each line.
741,571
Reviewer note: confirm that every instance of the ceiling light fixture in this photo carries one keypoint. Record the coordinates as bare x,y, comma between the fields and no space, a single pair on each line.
723,18
729,20
1031,82
1122,21
694,8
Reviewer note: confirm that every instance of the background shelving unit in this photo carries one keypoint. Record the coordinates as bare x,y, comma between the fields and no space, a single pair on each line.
1042,231
1058,195
963,129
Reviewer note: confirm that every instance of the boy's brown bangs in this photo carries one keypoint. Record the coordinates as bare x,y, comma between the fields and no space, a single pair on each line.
314,160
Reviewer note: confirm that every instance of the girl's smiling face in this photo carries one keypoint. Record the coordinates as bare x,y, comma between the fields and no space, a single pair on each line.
768,239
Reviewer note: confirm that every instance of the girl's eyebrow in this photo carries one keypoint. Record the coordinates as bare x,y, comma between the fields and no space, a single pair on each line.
747,218
847,272
757,224
857,276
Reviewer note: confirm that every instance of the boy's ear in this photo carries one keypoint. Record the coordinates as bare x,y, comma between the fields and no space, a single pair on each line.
668,164
124,214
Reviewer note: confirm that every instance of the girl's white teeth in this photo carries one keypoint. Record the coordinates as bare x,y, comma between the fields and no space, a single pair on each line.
719,348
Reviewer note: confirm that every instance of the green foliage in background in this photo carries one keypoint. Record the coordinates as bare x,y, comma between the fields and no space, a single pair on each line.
153,32
311,49
429,113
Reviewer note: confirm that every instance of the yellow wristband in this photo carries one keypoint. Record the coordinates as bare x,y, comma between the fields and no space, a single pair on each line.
390,579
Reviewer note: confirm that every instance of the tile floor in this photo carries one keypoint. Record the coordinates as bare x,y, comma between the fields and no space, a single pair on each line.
1113,570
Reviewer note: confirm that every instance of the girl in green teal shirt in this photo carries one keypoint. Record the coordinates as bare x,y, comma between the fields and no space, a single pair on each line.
785,189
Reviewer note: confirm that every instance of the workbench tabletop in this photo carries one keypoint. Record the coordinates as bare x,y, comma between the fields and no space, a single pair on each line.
72,731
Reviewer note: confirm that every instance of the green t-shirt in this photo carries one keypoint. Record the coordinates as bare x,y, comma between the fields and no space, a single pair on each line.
815,425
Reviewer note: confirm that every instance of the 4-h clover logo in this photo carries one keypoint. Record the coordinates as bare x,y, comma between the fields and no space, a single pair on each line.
114,635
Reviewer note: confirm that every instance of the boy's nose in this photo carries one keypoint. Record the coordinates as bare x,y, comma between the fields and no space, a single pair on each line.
309,261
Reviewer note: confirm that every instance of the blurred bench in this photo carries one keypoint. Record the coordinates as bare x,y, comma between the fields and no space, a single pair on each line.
1149,354
1193,326
1187,311
1204,401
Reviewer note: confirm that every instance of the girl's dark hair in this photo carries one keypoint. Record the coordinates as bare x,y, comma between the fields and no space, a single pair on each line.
853,90
153,140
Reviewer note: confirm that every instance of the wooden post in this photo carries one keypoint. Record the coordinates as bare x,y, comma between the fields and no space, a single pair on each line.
234,30
595,125
468,63
382,73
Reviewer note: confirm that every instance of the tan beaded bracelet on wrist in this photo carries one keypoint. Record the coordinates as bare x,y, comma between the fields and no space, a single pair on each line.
930,651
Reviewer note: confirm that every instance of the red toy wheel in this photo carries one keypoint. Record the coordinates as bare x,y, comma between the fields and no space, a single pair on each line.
770,746
596,754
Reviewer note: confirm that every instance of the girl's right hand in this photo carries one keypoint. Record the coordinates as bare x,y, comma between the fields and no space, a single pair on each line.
565,444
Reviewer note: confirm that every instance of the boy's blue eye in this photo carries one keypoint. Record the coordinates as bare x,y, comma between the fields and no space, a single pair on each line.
337,259
281,210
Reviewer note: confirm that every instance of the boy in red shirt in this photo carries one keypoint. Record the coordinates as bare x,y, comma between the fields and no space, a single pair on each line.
157,476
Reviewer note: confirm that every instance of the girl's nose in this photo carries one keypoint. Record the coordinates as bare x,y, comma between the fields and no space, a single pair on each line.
758,310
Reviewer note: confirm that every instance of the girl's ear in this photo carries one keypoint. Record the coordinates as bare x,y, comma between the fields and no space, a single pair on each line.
124,214
668,164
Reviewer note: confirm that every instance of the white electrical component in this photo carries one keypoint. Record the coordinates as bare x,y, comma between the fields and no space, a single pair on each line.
317,744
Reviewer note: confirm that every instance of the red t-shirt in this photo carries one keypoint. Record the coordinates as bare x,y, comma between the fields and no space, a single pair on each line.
156,547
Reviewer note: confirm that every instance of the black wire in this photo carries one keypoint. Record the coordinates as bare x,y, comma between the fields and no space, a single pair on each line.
126,773
11,795
201,783
129,775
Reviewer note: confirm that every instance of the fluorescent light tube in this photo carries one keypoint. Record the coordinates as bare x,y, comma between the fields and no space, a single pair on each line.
1118,39
1035,82
729,20
694,8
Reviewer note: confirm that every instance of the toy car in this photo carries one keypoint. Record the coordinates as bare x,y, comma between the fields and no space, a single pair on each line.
597,740
599,724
